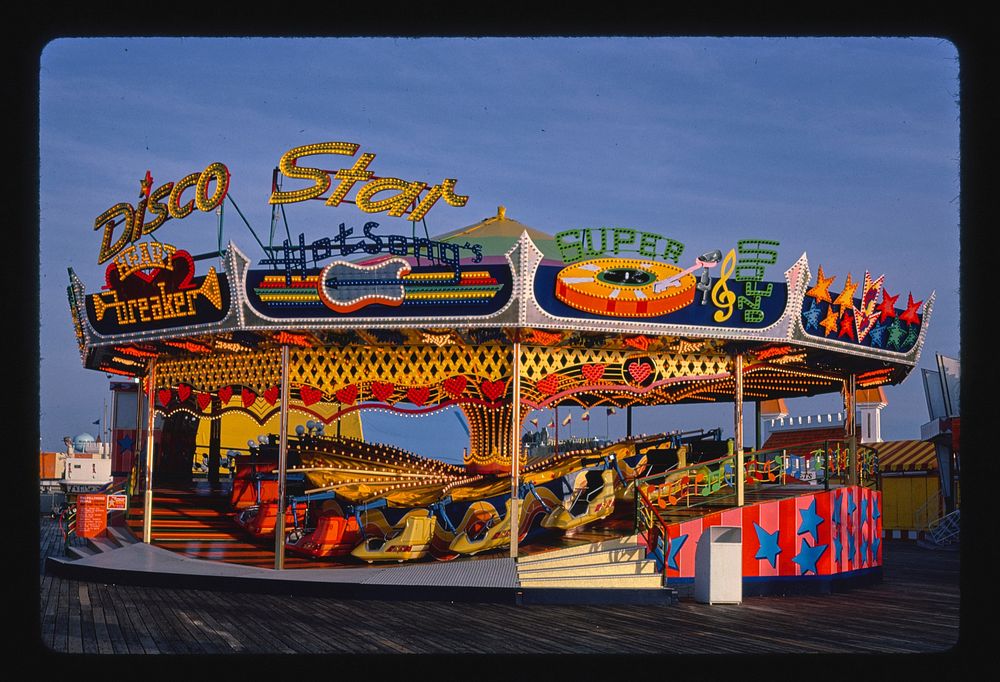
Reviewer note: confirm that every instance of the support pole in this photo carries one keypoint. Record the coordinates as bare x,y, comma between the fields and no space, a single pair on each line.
515,450
279,526
628,421
147,507
850,405
738,430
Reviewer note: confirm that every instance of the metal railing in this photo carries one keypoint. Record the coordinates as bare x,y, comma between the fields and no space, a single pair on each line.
946,530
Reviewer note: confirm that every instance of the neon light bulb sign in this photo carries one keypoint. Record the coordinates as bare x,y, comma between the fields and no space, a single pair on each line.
133,220
407,192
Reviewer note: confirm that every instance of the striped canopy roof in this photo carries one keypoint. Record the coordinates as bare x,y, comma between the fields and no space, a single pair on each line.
905,455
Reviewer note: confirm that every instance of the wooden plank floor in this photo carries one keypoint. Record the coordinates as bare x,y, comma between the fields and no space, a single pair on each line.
916,609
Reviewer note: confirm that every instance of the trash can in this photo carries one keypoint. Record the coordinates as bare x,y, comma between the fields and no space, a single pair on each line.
718,566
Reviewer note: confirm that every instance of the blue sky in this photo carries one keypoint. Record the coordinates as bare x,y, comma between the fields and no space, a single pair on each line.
846,149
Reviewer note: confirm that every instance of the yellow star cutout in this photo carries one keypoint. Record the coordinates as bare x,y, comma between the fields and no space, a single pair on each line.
830,322
846,298
821,292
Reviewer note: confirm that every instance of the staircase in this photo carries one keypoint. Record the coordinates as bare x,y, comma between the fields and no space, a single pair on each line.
616,564
945,531
115,538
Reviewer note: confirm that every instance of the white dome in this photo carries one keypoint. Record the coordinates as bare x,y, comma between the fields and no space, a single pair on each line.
81,439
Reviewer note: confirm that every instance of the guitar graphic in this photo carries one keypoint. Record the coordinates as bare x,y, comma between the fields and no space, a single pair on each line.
345,287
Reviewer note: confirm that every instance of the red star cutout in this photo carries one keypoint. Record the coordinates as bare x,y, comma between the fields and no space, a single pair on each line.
147,184
829,322
888,306
846,297
910,316
846,326
821,292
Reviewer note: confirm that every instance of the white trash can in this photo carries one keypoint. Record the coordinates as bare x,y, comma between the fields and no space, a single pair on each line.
718,566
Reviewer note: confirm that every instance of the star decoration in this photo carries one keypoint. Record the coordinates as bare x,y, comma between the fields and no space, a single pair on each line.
910,315
146,184
675,546
835,516
846,297
821,292
876,541
850,546
829,322
887,308
125,443
810,520
911,338
767,545
877,335
864,509
808,556
875,511
838,547
846,326
896,334
850,504
864,551
812,316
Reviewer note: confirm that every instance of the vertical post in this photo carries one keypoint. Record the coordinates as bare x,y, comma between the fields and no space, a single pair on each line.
147,507
515,449
628,421
850,398
214,443
137,441
279,526
738,430
757,440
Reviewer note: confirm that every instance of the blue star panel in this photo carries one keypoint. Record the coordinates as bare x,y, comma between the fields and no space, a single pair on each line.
808,556
767,545
810,520
675,546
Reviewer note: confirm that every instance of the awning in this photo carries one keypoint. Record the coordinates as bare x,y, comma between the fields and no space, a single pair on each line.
905,455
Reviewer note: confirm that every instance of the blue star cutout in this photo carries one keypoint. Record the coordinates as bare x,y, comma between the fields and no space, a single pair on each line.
850,546
864,510
767,545
864,550
875,510
836,508
850,504
838,547
876,541
675,546
910,340
810,519
877,335
812,316
125,443
808,556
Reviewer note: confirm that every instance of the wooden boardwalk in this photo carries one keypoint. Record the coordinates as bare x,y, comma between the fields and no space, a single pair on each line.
916,609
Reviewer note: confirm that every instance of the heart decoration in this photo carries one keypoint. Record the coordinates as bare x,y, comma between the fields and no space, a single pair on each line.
165,394
272,394
248,397
225,393
592,372
494,389
455,386
204,400
418,395
549,384
183,392
639,371
309,394
382,390
348,394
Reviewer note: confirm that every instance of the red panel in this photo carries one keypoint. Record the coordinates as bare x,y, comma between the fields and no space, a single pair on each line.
751,566
788,523
824,506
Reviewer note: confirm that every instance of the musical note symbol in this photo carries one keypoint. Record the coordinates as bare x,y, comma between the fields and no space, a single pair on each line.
722,297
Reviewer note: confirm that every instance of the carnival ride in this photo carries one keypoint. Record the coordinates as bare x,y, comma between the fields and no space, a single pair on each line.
495,320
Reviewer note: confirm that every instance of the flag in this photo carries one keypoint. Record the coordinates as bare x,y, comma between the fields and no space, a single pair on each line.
551,425
568,419
586,416
97,423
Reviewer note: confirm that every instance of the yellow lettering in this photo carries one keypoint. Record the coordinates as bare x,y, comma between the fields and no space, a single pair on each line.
321,179
215,171
348,177
173,205
107,221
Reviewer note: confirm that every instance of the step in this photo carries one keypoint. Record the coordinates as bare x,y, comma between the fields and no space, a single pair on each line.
623,568
645,581
81,552
608,556
102,544
122,535
627,542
